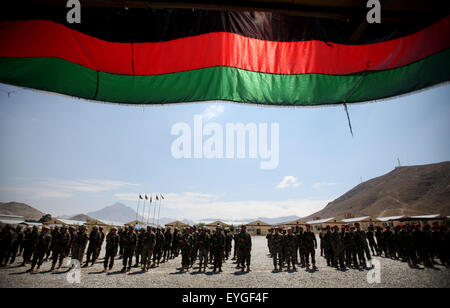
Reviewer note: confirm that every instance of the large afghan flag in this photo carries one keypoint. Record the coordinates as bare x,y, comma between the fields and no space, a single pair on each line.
155,56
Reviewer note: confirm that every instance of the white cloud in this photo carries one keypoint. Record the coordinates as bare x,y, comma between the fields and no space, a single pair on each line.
199,206
289,181
53,194
212,111
90,185
320,185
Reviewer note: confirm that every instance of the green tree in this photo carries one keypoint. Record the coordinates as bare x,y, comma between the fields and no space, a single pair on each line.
45,218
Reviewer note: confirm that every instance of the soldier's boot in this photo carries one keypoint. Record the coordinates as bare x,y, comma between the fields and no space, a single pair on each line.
60,265
124,269
314,267
248,268
220,269
293,267
52,268
288,267
243,268
85,264
129,268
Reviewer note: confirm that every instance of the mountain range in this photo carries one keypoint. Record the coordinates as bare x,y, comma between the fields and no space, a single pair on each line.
409,190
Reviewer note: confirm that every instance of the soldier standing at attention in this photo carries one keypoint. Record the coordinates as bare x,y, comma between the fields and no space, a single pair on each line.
328,251
94,242
235,235
102,239
60,247
16,244
228,243
301,247
277,242
120,232
291,245
6,242
218,245
139,246
42,245
310,245
112,244
175,247
148,245
168,237
186,248
380,240
129,245
321,234
372,244
157,252
361,245
203,247
245,247
79,244
269,242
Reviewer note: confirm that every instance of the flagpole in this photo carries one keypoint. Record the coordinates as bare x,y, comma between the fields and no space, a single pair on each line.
154,213
137,210
159,210
149,208
143,210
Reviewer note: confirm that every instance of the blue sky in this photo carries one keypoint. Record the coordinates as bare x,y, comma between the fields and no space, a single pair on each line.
65,155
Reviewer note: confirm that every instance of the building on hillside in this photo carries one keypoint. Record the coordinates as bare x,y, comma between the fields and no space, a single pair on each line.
423,219
213,225
317,225
294,223
364,221
177,224
390,221
135,223
258,227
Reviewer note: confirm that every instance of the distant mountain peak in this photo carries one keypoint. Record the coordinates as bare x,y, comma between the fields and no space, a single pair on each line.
406,190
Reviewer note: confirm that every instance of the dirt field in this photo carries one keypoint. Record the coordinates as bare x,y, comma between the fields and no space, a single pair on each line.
393,274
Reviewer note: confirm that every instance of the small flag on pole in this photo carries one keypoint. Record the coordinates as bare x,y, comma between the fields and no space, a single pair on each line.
162,197
146,197
140,197
157,197
150,198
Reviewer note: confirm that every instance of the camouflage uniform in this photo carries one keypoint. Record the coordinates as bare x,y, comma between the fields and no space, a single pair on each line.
309,244
168,237
148,245
60,247
204,243
112,244
139,247
42,244
79,245
129,240
291,248
159,245
244,246
94,242
218,245
277,242
338,245
186,244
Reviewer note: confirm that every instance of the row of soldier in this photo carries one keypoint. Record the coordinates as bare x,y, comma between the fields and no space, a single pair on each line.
350,246
149,247
414,244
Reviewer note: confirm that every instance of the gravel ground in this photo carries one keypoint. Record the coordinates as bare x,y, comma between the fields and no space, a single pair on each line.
393,274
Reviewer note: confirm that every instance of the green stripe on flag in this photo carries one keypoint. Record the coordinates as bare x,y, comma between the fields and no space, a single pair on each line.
224,83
